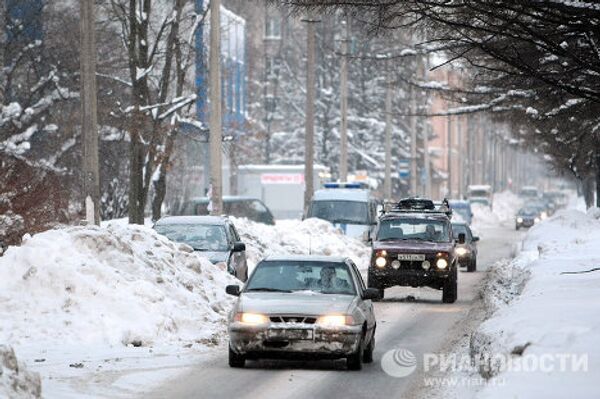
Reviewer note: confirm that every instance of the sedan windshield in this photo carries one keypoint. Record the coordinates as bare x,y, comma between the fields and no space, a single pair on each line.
351,212
290,276
413,229
460,229
198,236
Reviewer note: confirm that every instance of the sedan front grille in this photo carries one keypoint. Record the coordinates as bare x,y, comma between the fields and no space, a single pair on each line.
293,319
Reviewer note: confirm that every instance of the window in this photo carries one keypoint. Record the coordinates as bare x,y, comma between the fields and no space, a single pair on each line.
288,276
273,27
413,229
348,212
272,67
198,236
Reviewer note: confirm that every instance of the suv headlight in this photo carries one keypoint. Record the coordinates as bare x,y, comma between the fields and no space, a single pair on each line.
380,261
441,263
519,220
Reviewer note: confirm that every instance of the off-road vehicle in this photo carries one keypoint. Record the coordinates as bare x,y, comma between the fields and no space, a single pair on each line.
413,246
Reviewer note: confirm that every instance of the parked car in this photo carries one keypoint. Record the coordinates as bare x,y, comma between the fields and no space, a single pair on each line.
527,217
311,307
241,207
466,252
413,246
215,236
463,209
348,206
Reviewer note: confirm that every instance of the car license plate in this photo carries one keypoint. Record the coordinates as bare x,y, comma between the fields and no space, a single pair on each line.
411,257
290,334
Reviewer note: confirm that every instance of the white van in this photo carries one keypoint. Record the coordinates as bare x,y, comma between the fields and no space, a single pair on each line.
348,206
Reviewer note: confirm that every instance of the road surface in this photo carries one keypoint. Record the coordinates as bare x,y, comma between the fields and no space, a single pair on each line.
413,319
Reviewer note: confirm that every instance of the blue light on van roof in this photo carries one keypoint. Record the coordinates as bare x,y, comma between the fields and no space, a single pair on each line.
342,185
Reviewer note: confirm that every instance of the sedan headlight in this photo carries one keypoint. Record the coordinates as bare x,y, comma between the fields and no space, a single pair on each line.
441,263
537,220
462,251
252,319
519,220
335,320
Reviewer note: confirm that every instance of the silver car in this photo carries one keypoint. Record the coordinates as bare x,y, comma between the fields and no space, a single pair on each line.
214,236
311,307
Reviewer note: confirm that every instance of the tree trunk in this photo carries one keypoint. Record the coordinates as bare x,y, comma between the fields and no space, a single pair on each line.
587,186
136,178
160,190
597,176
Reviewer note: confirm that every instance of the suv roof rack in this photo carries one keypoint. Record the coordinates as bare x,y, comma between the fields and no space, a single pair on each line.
418,205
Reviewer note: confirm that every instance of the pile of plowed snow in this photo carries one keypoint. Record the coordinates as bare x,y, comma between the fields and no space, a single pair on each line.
118,285
16,382
505,206
314,236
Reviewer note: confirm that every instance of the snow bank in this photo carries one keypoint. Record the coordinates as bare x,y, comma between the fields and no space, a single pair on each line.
115,286
505,206
314,236
556,313
16,382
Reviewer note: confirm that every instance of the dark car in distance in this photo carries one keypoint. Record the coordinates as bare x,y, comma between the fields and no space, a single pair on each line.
241,207
413,246
527,217
466,252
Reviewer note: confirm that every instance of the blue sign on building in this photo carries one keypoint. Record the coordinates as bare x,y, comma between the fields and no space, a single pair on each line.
24,20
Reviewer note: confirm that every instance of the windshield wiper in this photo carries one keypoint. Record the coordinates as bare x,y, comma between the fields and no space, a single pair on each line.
347,221
267,289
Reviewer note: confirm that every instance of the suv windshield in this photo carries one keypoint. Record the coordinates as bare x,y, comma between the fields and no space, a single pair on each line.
198,236
413,229
289,276
350,212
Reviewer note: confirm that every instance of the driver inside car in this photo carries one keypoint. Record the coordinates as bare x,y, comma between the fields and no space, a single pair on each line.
329,280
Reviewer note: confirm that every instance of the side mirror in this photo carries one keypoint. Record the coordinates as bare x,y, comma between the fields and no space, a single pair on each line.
462,238
367,236
371,293
233,290
239,247
475,239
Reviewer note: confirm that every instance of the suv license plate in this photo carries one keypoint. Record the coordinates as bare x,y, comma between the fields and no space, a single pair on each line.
411,257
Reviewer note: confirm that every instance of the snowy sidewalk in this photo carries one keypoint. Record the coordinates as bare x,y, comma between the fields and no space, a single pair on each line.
542,340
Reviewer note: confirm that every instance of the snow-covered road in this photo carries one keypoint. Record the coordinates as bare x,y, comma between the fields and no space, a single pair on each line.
412,319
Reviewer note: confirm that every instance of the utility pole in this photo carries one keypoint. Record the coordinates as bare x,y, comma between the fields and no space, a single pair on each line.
309,143
426,131
449,151
344,104
89,112
413,143
215,124
461,160
387,183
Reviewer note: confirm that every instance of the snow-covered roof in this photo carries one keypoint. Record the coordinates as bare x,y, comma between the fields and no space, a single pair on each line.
342,194
280,167
305,258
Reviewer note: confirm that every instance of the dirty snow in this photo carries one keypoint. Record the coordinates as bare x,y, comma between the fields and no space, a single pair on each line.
16,381
81,297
